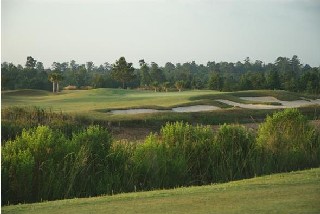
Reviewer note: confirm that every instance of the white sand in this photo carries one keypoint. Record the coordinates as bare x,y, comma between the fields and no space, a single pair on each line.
286,104
195,108
199,108
250,106
261,99
136,111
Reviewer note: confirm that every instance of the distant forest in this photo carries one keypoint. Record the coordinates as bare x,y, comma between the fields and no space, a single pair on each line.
285,73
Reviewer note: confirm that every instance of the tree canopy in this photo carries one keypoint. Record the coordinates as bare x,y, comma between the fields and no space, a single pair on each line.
284,74
122,71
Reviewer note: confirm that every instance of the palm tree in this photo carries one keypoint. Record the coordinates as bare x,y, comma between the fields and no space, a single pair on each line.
165,86
55,78
155,85
59,78
52,78
179,85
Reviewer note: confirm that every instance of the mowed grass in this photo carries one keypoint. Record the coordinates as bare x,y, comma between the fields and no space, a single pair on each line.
88,100
295,192
97,102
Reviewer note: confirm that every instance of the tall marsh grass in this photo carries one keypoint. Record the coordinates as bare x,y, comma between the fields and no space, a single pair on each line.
15,119
43,163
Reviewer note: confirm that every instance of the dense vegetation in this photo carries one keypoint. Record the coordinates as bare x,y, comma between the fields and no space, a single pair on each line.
15,119
45,164
284,73
291,192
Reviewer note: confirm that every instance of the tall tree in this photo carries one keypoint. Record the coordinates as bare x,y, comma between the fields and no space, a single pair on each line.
145,78
216,82
247,64
107,66
156,73
169,69
39,66
56,66
273,80
179,85
295,64
196,83
89,66
73,65
122,71
59,78
81,76
52,78
31,62
55,78
282,64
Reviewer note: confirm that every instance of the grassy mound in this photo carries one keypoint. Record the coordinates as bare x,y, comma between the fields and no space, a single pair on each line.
25,92
295,192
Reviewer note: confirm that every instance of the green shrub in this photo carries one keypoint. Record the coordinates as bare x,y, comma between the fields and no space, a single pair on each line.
287,142
37,153
121,167
16,174
45,164
194,145
158,165
234,153
92,150
148,162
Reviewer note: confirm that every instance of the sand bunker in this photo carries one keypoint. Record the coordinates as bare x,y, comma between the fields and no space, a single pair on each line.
286,104
196,108
136,111
200,108
250,106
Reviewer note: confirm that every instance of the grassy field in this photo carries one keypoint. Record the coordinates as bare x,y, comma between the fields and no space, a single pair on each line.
295,192
98,102
93,106
89,100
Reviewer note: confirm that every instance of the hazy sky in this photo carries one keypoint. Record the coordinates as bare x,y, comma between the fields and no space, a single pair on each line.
159,30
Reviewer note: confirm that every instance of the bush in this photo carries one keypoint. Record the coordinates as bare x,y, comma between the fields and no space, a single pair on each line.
287,142
234,153
45,164
158,166
194,145
42,164
35,156
16,175
121,167
92,149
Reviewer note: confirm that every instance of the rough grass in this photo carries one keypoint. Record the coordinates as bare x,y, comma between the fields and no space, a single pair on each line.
295,192
25,92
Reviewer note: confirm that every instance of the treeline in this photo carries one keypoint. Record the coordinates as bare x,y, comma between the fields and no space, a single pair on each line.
285,73
44,164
